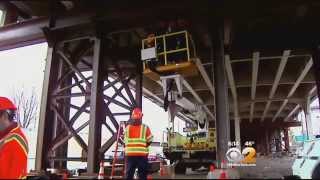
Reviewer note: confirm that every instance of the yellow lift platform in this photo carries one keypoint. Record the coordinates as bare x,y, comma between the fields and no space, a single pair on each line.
173,54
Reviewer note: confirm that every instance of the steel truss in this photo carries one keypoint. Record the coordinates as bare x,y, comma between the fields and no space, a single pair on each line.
67,79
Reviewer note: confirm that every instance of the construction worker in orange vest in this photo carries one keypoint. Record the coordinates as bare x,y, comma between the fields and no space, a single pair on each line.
13,143
137,139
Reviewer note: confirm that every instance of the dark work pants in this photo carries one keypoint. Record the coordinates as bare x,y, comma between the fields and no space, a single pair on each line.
139,162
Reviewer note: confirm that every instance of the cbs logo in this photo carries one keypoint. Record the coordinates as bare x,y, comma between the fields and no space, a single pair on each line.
247,156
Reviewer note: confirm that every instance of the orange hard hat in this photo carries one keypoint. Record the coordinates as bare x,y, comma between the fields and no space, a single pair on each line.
136,114
6,104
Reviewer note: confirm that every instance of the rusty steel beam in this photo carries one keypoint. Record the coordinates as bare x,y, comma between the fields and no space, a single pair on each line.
120,94
71,86
70,95
121,114
61,140
125,84
76,79
74,68
62,78
70,129
108,144
112,100
110,84
108,127
80,111
112,118
76,107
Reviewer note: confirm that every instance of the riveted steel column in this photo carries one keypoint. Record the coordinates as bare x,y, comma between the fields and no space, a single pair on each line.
46,118
286,139
62,151
97,113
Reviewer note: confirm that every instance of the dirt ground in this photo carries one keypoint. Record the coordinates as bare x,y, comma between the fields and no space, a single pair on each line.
268,168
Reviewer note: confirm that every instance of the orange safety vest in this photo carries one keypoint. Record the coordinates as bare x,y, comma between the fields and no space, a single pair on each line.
136,140
13,153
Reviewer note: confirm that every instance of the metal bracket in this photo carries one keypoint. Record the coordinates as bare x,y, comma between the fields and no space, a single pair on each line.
178,81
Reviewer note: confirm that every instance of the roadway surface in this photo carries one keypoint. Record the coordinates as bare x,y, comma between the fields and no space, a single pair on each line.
266,168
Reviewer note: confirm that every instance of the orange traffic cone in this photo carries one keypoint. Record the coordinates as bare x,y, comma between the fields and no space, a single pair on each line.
162,171
64,175
223,175
101,171
211,174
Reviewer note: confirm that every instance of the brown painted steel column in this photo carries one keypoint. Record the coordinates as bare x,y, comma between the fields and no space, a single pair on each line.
286,139
267,141
97,113
46,118
62,151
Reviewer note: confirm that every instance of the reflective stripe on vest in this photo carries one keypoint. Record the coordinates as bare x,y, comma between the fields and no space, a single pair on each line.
136,146
19,139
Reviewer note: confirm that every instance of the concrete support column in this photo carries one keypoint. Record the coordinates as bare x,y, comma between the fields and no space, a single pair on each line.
221,90
237,130
307,112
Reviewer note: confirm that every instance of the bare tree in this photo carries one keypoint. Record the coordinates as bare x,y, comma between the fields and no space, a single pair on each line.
27,105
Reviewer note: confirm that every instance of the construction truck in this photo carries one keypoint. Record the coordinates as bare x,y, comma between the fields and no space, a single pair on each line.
195,150
168,60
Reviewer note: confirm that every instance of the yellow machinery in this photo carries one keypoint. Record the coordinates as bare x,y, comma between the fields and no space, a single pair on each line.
201,140
173,54
194,150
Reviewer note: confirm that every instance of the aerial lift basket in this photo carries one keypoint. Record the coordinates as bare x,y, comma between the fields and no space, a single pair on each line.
169,54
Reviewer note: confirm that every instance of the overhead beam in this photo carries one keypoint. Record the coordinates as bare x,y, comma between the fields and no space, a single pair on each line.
294,110
255,69
204,75
295,86
197,97
266,58
281,68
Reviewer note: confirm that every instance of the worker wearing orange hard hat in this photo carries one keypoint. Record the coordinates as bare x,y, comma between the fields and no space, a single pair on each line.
13,143
137,139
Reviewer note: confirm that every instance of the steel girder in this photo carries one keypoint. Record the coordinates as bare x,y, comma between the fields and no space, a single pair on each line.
68,89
